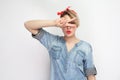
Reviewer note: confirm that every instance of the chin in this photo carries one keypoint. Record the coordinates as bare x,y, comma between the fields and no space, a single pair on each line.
68,35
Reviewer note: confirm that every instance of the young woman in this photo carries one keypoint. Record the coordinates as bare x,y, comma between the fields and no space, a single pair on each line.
70,57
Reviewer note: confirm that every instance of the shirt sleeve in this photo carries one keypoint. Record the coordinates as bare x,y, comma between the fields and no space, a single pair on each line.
45,38
89,67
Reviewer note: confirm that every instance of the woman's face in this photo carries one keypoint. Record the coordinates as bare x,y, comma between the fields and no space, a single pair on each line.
70,27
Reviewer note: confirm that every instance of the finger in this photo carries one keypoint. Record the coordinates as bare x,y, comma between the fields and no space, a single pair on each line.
70,25
63,22
73,19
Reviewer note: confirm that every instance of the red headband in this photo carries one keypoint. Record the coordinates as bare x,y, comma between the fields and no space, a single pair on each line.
68,8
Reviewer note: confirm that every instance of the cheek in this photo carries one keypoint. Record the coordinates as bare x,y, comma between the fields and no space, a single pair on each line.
74,30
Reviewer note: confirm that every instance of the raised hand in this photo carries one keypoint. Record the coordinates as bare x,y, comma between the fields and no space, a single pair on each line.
70,23
62,22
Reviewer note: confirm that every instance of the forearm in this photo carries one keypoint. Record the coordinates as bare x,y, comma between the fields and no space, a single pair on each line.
37,24
91,77
34,25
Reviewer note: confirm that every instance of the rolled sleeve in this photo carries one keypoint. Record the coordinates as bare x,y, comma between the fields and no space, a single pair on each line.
90,71
89,67
45,38
39,35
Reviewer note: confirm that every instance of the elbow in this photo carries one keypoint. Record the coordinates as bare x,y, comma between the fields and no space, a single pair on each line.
26,24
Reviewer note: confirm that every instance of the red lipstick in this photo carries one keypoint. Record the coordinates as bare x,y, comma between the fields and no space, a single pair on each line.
68,32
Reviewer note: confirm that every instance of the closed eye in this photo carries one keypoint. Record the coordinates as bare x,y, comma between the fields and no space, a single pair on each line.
72,22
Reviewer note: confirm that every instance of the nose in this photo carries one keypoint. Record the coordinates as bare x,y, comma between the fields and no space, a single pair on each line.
68,27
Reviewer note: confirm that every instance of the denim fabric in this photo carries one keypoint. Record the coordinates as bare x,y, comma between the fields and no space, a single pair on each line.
76,64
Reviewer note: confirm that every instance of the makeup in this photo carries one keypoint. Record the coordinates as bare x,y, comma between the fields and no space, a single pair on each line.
68,32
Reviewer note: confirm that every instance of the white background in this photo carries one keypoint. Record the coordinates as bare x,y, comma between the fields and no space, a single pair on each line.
24,58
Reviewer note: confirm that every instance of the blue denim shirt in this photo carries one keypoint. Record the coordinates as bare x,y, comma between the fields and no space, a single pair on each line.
76,64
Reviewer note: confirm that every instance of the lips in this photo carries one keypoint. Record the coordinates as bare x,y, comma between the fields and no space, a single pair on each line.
68,32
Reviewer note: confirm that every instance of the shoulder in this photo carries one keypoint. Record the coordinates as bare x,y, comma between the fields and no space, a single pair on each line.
85,46
86,43
58,41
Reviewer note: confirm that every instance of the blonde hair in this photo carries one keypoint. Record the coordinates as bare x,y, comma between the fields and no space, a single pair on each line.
71,14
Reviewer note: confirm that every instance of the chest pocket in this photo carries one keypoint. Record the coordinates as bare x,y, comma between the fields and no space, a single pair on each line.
55,52
79,57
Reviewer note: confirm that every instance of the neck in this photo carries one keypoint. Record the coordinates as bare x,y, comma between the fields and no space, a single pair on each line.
71,39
